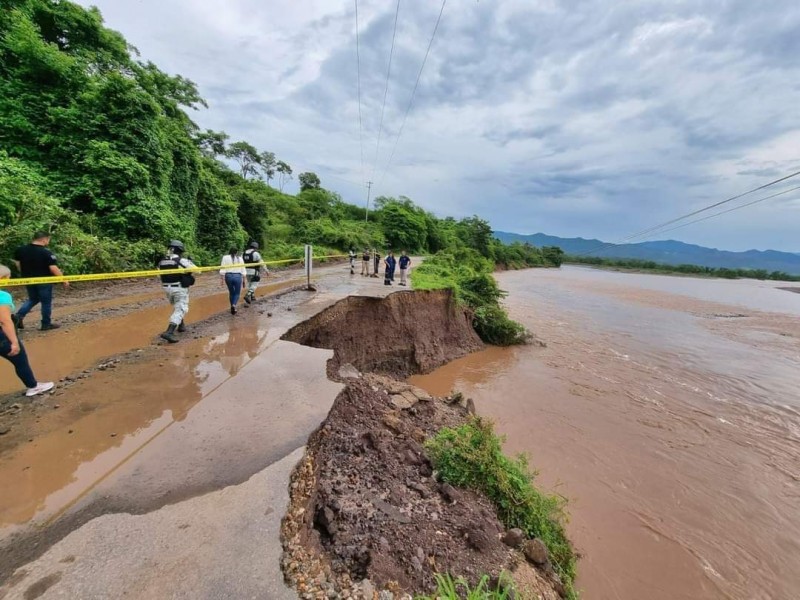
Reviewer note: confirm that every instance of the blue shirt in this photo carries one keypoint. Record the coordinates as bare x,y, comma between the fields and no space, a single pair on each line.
404,260
7,300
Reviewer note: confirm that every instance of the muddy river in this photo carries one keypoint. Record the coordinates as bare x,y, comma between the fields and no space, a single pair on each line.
667,411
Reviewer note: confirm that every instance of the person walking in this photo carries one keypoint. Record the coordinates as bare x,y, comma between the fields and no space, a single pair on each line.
233,276
390,262
352,254
36,260
176,285
365,263
11,347
253,257
404,263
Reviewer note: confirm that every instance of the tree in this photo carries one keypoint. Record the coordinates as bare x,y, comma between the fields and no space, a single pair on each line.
284,174
246,156
266,161
309,181
211,143
477,234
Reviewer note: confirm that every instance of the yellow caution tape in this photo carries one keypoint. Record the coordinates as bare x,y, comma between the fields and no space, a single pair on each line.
148,273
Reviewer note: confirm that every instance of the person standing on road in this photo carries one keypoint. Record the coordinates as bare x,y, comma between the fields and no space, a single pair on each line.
252,257
352,262
233,277
365,263
390,263
176,285
11,347
377,257
404,263
36,260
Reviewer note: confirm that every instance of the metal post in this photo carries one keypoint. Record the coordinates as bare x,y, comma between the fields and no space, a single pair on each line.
309,255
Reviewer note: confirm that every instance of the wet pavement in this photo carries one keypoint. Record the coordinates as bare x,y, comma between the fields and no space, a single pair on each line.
181,422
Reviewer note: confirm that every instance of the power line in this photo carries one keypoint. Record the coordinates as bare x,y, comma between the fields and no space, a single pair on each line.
358,70
731,209
654,229
386,88
413,93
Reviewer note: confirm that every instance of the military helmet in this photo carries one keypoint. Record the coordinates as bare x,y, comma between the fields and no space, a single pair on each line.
177,245
253,245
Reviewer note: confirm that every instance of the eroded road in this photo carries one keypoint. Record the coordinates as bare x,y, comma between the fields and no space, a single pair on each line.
194,440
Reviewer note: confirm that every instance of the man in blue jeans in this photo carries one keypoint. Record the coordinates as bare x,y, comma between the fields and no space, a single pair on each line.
35,260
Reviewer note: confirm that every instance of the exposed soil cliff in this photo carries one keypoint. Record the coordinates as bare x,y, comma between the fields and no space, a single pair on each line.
367,514
405,333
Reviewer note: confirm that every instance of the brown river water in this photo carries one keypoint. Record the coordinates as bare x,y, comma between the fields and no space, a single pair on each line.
667,411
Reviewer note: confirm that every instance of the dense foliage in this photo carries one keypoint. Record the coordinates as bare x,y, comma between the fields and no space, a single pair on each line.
97,147
471,456
649,265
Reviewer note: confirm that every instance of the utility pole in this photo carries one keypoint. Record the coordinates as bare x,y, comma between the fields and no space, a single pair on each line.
369,189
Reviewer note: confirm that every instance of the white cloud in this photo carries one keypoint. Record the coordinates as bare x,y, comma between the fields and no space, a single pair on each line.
576,118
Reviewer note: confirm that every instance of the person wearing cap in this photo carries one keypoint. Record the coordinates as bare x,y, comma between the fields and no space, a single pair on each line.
11,347
176,284
365,262
251,256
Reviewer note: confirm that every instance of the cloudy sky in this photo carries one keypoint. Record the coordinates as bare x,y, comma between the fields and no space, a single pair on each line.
575,118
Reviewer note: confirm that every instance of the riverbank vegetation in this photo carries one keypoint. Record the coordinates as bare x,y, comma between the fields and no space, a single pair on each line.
471,456
99,148
666,269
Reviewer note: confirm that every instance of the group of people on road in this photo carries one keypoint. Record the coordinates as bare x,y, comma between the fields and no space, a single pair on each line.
390,264
32,260
238,272
35,260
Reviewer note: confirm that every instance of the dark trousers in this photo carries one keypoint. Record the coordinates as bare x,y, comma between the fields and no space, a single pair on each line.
43,293
20,361
234,283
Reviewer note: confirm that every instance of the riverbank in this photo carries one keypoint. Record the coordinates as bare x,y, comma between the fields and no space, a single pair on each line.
367,513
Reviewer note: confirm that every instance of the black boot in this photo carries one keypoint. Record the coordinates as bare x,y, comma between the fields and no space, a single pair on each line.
17,321
181,327
169,334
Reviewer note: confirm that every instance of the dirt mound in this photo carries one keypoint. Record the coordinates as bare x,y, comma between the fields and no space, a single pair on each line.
370,503
403,334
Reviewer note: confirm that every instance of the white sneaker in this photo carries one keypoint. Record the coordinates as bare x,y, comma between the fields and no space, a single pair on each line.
40,388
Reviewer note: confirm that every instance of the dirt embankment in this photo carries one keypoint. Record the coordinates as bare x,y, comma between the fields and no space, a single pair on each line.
403,334
367,516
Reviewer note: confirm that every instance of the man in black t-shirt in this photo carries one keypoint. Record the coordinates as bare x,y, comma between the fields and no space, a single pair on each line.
35,260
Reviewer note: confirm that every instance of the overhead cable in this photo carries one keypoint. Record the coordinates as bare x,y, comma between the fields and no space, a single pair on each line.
413,93
386,89
656,228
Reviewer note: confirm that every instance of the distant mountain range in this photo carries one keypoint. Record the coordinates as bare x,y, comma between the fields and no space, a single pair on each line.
668,252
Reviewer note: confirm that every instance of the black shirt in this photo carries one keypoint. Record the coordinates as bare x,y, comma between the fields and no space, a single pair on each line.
35,261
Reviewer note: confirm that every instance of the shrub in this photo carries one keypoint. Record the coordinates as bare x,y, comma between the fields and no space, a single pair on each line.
471,456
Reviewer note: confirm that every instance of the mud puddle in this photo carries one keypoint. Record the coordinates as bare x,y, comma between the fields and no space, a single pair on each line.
673,430
65,351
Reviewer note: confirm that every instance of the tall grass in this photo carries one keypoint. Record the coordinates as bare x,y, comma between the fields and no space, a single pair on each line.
471,456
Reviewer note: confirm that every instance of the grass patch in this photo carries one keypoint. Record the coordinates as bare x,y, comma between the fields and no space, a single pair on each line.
471,456
448,588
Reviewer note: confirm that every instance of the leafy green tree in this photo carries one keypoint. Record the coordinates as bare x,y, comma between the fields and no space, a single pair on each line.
266,163
211,143
405,226
309,181
476,233
284,174
246,156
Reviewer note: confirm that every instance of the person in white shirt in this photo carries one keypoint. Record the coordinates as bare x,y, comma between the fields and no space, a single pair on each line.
233,276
